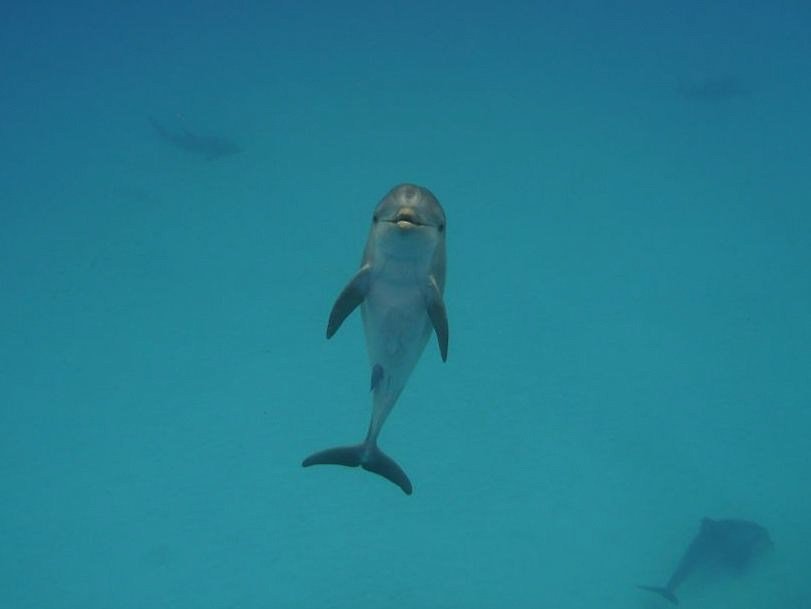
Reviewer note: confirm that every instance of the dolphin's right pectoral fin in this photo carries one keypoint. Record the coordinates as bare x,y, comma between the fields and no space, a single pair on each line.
370,458
662,591
435,307
349,298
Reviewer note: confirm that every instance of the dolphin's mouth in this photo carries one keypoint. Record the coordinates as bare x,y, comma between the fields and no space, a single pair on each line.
406,218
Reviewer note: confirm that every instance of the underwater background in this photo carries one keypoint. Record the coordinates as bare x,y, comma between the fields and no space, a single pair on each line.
185,187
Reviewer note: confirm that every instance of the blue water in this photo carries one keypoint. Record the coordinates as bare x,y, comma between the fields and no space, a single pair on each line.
628,193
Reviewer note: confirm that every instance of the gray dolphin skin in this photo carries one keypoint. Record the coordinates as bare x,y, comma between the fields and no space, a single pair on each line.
728,544
399,289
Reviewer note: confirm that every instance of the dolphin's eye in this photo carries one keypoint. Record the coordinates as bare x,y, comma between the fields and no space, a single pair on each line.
441,228
374,218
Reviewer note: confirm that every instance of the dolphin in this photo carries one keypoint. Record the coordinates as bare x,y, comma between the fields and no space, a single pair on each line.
209,146
399,289
714,90
728,544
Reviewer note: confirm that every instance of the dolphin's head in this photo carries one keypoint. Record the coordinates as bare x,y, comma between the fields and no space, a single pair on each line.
761,540
749,532
409,224
740,541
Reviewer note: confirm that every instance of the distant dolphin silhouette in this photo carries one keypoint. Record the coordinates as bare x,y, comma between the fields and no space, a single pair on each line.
209,146
729,544
714,90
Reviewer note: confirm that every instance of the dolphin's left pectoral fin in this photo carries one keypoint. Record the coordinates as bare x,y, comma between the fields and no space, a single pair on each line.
348,300
435,307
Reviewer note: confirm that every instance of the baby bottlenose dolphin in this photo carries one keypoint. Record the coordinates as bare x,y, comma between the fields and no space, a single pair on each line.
725,544
399,289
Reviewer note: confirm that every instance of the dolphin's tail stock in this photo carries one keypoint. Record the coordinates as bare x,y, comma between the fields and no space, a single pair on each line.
662,591
368,456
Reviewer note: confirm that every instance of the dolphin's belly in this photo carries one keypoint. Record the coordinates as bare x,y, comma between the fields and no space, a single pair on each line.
397,327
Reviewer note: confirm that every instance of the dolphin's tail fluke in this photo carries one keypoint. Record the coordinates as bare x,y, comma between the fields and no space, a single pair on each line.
370,458
662,591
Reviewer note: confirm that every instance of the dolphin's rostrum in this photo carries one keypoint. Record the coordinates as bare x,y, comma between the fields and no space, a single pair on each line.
399,289
726,544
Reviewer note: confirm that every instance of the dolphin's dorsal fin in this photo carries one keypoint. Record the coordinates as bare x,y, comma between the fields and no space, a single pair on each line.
435,307
349,298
